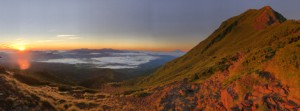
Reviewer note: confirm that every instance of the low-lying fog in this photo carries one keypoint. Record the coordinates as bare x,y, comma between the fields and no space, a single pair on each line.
102,58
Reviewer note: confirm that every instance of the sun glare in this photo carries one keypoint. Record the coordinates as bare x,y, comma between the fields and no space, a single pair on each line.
21,48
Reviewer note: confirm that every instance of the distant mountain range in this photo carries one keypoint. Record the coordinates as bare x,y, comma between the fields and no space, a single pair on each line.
178,51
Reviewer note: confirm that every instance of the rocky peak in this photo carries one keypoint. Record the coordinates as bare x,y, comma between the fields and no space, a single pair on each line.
267,17
267,8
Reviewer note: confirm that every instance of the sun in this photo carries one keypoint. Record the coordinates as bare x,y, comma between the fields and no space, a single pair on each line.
21,48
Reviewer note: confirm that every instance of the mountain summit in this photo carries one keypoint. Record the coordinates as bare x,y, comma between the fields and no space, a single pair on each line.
266,16
235,35
256,48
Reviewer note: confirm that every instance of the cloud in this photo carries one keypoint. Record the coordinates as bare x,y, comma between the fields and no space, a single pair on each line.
66,60
125,59
117,61
69,36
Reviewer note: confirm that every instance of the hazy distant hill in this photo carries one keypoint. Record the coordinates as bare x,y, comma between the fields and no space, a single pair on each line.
177,51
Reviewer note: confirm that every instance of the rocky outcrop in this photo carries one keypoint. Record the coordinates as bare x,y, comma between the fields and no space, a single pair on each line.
259,90
209,95
266,17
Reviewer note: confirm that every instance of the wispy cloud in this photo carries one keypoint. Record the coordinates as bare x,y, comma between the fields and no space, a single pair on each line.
44,41
69,36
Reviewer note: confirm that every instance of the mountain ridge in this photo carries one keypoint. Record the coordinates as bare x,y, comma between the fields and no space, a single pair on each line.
248,60
235,35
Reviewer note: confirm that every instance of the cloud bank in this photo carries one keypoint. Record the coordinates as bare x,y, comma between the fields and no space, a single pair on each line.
112,61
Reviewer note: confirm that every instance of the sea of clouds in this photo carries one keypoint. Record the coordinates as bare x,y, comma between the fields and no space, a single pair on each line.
112,60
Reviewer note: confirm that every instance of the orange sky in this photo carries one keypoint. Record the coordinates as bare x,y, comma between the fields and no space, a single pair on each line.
158,25
67,44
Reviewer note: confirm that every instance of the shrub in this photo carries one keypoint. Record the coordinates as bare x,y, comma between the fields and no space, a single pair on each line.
64,88
142,94
195,77
128,92
269,53
90,91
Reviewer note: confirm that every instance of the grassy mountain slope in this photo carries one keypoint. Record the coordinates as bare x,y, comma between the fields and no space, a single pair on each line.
260,30
19,93
251,62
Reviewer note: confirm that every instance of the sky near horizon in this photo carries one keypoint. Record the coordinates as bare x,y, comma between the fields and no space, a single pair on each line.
160,25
